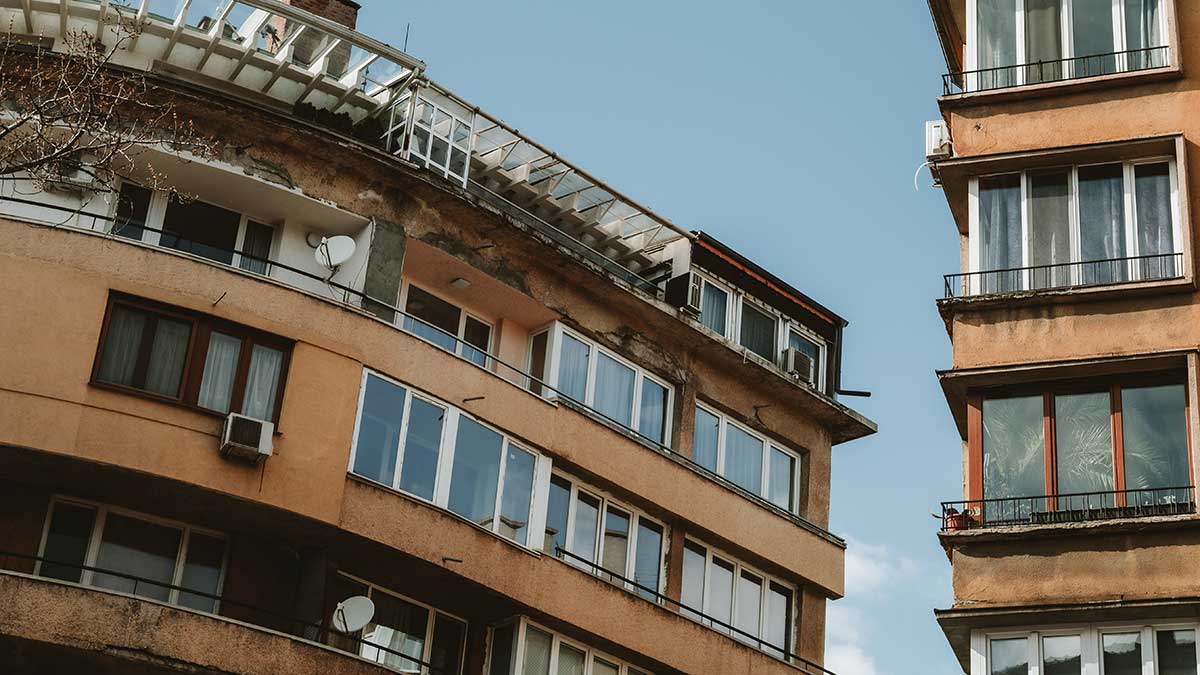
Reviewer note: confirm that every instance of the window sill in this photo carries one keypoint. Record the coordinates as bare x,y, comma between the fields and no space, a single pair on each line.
948,307
1060,87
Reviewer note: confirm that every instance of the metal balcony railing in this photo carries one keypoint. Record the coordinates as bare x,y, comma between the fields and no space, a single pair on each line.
1061,70
1158,267
322,632
1067,508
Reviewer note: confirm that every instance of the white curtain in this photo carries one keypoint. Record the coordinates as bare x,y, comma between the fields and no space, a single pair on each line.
1144,31
220,366
714,307
1102,223
652,419
1049,229
705,435
1000,232
1043,40
121,345
1155,226
614,390
743,459
573,368
262,382
997,38
167,356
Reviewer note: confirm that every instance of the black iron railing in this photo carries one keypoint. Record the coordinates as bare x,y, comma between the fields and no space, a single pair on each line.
222,605
1158,267
436,336
1067,508
652,595
1038,72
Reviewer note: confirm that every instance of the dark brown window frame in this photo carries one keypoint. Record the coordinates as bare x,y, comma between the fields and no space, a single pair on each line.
1112,386
202,326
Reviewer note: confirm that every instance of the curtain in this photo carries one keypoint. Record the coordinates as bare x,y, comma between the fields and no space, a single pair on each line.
705,435
220,366
537,652
614,390
166,357
122,342
1050,229
573,368
1155,228
140,549
743,459
1102,224
1043,40
758,333
781,492
714,308
262,382
1093,35
570,660
1084,449
997,38
1000,233
1144,20
652,420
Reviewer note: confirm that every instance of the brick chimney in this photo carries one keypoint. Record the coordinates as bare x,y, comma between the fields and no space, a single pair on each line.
344,12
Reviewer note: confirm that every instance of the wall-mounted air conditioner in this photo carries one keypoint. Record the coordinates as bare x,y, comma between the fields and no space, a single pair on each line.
246,439
799,365
937,140
684,292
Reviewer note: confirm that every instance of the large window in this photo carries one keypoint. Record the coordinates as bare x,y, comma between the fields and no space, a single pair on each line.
1109,445
403,634
1032,41
750,461
525,648
190,358
1162,649
721,588
193,226
133,553
623,542
603,381
1075,226
429,449
446,325
440,140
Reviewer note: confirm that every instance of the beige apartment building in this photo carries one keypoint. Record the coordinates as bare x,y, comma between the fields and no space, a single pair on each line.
393,388
1064,152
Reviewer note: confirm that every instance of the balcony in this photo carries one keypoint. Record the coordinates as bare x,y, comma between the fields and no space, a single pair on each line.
1084,274
1055,71
1008,512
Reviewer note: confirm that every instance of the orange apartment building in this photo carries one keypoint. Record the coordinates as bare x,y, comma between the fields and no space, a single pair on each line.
391,348
1065,154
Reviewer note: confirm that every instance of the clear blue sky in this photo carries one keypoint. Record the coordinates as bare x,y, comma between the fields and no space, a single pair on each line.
790,129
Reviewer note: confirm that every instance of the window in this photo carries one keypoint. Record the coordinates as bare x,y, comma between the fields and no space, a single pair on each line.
746,459
524,648
623,542
1142,465
1074,227
758,332
413,443
1163,649
447,326
192,359
403,634
118,545
440,140
758,607
599,379
1063,39
193,226
714,306
814,349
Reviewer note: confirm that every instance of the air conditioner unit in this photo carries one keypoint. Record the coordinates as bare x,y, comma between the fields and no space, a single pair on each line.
684,292
937,140
246,439
799,365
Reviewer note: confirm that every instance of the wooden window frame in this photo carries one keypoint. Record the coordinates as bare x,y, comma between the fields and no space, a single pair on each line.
202,326
1114,389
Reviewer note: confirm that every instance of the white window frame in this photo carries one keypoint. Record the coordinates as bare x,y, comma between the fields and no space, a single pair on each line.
1091,643
722,430
97,534
523,624
635,518
710,553
434,612
459,346
445,463
414,121
975,233
554,355
1068,39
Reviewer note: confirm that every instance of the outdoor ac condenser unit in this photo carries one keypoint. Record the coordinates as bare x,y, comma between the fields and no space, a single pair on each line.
799,365
246,439
937,140
684,292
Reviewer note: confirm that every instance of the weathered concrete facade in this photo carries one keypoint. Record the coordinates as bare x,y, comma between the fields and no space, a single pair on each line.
300,527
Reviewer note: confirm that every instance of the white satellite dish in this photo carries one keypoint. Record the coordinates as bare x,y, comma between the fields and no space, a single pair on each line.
352,614
334,251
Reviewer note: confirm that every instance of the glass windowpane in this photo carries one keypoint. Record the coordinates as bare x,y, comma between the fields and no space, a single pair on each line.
476,472
782,492
518,494
1009,657
1121,653
202,572
220,368
139,549
422,445
573,368
743,459
587,520
379,430
558,505
1062,655
1083,432
647,564
67,541
395,636
616,541
714,309
1013,456
1176,652
1154,422
614,390
758,332
705,436
432,318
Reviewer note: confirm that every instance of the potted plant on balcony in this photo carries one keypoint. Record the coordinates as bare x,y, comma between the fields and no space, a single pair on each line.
955,520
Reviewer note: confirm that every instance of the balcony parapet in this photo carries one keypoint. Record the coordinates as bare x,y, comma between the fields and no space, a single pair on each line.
1115,505
1064,276
1071,69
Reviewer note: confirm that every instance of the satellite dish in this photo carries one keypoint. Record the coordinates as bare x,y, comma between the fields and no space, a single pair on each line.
352,614
334,251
